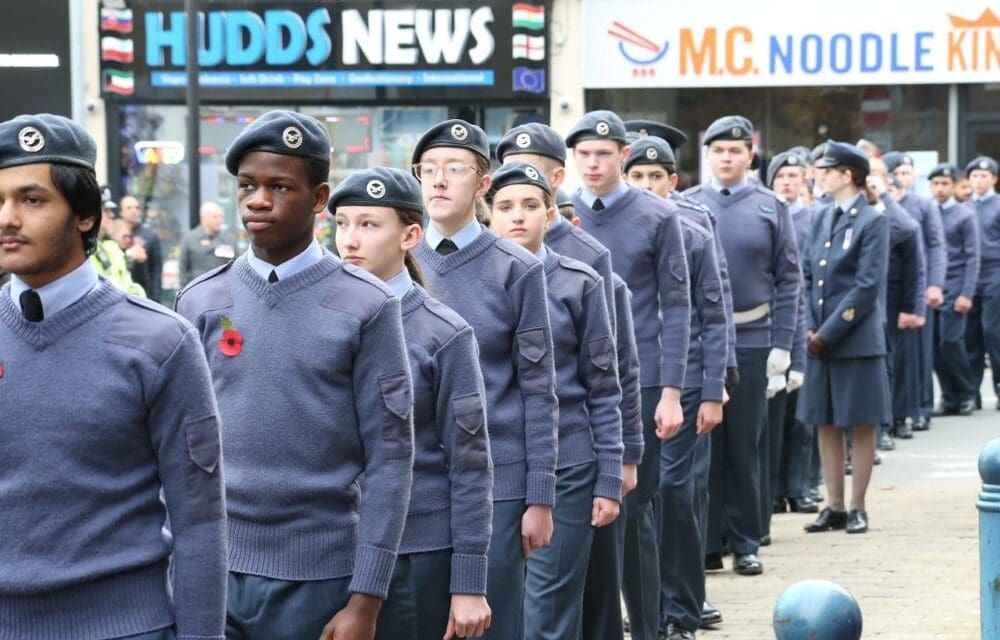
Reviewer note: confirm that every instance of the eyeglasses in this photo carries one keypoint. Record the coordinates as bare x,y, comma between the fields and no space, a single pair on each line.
429,171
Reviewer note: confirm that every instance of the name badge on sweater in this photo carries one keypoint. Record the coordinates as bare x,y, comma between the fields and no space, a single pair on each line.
225,251
848,235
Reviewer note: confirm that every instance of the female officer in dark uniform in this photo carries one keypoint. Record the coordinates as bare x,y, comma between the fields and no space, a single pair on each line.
846,383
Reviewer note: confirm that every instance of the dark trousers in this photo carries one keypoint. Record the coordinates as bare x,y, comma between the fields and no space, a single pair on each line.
734,505
793,477
641,579
982,335
906,373
419,600
159,634
926,364
772,443
260,608
553,590
505,578
682,564
951,361
602,608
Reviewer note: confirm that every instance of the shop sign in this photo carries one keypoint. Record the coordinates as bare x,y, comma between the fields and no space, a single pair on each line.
486,49
728,43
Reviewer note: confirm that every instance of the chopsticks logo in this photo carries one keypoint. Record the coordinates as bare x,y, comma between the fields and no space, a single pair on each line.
638,49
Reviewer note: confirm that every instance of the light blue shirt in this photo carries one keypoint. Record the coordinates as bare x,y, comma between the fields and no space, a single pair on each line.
949,203
401,283
608,198
541,253
733,190
462,238
846,205
59,294
983,198
287,269
795,207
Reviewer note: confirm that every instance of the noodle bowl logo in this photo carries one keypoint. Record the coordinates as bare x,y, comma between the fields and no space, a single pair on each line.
638,49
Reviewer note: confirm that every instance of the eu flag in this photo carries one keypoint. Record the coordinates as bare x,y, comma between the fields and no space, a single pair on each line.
528,79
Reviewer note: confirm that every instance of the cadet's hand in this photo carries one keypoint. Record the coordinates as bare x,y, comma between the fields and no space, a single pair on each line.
775,385
905,321
470,616
604,512
630,478
816,345
536,528
919,321
778,361
709,416
795,380
669,416
356,621
877,183
934,297
963,305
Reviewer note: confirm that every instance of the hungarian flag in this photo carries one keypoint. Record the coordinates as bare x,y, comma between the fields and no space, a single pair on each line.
119,20
528,47
121,82
529,16
116,49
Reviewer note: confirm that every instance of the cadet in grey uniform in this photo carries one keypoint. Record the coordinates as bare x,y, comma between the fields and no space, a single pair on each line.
951,362
982,335
846,385
207,246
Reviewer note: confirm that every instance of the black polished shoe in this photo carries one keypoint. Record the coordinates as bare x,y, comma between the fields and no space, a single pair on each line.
816,496
904,430
748,565
857,521
676,633
885,441
765,540
626,625
979,402
878,459
710,616
828,520
945,410
922,424
803,505
967,407
713,562
848,468
779,506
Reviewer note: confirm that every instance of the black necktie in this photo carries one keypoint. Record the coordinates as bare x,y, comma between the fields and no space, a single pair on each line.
598,205
31,306
446,247
273,276
724,192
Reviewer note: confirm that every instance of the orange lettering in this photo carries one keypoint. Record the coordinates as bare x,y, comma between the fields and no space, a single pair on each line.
975,51
747,65
696,55
992,51
956,57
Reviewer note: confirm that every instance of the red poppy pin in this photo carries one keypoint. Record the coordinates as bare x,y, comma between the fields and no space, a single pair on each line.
1,370
231,343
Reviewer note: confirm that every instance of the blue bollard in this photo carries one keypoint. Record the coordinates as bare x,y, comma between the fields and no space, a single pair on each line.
989,541
817,610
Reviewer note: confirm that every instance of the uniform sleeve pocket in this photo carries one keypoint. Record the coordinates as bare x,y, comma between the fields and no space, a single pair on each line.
678,267
203,444
397,400
601,353
792,255
472,442
532,372
713,291
203,485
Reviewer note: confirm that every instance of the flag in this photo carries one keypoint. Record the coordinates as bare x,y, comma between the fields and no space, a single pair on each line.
530,80
119,20
122,82
528,16
528,47
116,49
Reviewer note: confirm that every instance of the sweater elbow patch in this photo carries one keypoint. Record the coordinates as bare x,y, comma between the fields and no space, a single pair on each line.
533,374
204,496
397,405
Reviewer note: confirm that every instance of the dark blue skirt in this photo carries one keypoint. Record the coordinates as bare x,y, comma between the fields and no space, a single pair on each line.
845,393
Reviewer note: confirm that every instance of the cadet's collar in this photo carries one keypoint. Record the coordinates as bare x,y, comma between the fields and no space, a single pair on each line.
61,293
733,190
949,203
287,269
848,205
607,199
985,197
795,206
542,253
401,283
462,238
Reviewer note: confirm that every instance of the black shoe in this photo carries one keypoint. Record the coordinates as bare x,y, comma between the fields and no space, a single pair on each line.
828,520
710,615
922,424
713,562
903,430
676,633
765,540
967,407
945,410
748,565
979,402
878,459
779,506
816,496
885,441
848,468
857,521
803,505
626,625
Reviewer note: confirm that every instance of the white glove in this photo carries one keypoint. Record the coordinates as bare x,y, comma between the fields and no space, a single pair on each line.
775,385
778,362
795,380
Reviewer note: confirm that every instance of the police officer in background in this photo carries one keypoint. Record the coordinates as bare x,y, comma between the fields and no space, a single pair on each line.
951,362
207,246
983,331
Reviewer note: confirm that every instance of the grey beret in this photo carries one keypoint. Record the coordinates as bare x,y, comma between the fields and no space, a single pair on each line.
379,187
841,154
944,170
982,163
536,138
729,128
45,138
650,150
563,199
784,159
517,173
597,125
895,159
453,133
286,132
636,129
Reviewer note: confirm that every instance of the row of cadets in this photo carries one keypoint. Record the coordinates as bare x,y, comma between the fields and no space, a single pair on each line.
983,331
